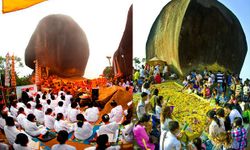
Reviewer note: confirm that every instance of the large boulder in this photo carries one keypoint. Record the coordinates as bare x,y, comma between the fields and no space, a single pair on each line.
122,59
59,44
192,34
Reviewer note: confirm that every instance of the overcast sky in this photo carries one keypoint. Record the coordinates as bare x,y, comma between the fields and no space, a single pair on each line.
102,21
146,11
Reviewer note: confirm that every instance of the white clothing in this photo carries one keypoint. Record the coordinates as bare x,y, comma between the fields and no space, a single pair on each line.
21,119
61,92
117,147
62,147
72,114
62,110
49,121
11,132
164,126
91,114
83,132
63,125
32,129
33,104
4,146
54,104
13,111
246,90
233,114
19,147
140,109
39,116
157,111
215,130
2,122
110,128
170,141
116,114
28,111
67,99
127,133
46,106
20,104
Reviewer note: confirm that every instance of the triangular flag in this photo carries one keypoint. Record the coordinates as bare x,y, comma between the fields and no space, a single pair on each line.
14,5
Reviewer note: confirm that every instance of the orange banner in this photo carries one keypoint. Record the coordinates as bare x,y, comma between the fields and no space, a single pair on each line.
14,5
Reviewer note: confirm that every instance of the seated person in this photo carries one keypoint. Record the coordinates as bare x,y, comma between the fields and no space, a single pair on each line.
116,113
73,112
21,118
61,124
91,114
31,127
83,129
62,137
21,142
49,119
38,112
10,130
102,143
107,127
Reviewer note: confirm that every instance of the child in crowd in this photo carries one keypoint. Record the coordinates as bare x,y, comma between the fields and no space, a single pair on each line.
116,113
107,127
83,129
49,119
61,124
239,135
31,127
21,142
62,137
141,109
73,112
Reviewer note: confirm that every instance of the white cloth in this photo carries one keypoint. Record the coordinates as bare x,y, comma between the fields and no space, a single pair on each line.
170,141
39,116
127,133
49,121
62,110
20,147
63,125
28,111
157,111
110,128
33,104
117,147
32,129
2,122
215,130
13,111
21,119
20,104
116,114
91,114
140,109
164,126
11,132
83,132
67,99
72,114
4,146
62,147
233,114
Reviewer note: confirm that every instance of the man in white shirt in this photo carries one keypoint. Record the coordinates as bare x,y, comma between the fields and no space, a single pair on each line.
168,140
62,138
233,113
140,109
67,99
73,112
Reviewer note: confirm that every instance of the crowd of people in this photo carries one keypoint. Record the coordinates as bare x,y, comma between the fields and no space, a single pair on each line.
63,108
227,124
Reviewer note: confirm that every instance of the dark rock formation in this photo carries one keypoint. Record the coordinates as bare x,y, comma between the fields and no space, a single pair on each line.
60,44
191,34
122,59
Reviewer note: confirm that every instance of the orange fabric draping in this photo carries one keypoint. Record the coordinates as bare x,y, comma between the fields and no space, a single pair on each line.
14,5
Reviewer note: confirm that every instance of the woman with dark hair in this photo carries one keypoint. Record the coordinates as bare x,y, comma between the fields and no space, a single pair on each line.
165,118
83,129
239,135
102,143
140,134
21,118
153,99
217,132
62,137
21,142
10,130
61,124
31,127
49,119
116,113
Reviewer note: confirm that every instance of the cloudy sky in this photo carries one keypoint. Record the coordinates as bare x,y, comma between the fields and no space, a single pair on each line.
102,21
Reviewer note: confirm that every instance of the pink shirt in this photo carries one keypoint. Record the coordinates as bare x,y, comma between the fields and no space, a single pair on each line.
139,134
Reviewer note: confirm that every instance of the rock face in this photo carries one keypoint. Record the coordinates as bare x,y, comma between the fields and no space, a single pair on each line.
59,44
122,59
192,34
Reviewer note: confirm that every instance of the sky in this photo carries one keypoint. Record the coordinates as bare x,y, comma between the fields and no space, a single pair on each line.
146,11
102,21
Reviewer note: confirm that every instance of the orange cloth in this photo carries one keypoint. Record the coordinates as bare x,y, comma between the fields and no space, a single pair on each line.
14,5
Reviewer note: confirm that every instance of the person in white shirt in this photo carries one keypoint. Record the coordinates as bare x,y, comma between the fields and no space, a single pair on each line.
233,113
54,102
38,112
28,109
60,109
13,109
73,112
49,119
47,105
116,113
21,118
20,104
10,130
62,137
32,129
33,104
61,92
102,142
21,142
165,118
61,124
67,99
168,139
83,129
91,114
141,106
107,127
3,116
158,107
